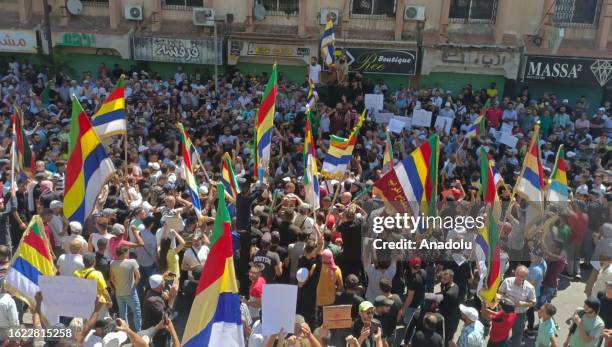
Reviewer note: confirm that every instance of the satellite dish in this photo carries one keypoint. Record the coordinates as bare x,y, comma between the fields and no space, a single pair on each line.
74,7
259,12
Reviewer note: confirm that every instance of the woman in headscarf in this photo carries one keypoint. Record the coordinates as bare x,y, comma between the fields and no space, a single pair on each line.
330,280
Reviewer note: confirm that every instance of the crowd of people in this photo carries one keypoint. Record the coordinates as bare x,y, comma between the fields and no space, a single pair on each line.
144,246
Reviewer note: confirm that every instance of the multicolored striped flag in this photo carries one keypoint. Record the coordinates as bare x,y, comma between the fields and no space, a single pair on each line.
328,41
229,178
31,260
558,190
110,119
88,167
265,122
477,128
341,151
388,154
411,186
311,179
312,97
25,157
190,180
215,318
488,249
530,184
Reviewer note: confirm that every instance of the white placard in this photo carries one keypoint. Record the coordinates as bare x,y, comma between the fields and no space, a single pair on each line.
444,123
67,296
508,140
278,308
406,120
382,118
374,102
506,128
421,118
396,126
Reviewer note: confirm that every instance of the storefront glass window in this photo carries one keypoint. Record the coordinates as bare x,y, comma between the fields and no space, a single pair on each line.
281,7
183,3
473,10
373,7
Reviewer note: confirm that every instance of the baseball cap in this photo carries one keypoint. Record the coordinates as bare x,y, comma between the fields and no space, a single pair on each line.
382,300
365,305
415,261
470,312
76,227
118,229
55,204
155,280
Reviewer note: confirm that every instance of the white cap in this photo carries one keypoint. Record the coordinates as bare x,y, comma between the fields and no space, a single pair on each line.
470,312
114,339
154,166
155,280
76,227
601,109
582,190
302,274
118,229
56,204
565,101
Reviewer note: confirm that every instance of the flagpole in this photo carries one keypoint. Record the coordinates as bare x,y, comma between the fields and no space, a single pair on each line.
125,152
13,154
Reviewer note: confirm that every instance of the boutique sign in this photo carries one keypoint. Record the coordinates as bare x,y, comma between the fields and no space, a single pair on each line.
382,61
590,71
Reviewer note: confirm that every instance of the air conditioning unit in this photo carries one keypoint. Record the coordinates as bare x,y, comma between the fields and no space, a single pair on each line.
133,12
333,12
414,13
203,16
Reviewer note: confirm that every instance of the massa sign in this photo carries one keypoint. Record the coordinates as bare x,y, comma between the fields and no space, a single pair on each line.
591,71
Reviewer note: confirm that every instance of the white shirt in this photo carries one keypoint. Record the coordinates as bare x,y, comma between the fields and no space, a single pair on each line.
190,260
510,290
8,311
314,71
67,239
69,263
56,224
94,241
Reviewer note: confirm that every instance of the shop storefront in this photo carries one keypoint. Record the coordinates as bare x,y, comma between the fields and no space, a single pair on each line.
257,57
15,43
164,55
568,77
84,52
451,67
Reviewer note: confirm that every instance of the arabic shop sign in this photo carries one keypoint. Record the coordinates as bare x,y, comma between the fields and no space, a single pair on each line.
18,41
487,61
383,61
277,50
177,50
591,71
78,40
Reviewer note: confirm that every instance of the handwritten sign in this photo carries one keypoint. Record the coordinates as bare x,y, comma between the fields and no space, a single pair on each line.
278,305
444,123
374,102
421,118
382,118
78,39
17,41
67,296
396,125
506,128
177,50
337,317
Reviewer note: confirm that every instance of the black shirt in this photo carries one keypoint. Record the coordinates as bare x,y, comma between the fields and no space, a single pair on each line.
427,338
462,275
307,294
356,332
416,282
450,304
269,260
351,239
605,310
350,299
103,265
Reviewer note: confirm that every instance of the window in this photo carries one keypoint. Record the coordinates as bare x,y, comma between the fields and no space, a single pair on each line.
473,11
577,12
374,7
181,4
281,7
95,3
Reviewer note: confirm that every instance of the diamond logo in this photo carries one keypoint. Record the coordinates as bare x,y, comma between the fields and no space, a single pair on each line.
602,70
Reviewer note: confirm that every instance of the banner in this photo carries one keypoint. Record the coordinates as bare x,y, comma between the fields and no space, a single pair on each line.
589,71
382,61
177,50
18,41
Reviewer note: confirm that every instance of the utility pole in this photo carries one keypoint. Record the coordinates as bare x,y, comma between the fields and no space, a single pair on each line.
47,10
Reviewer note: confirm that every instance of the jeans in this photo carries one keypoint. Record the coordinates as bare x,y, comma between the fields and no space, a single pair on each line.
573,259
518,329
546,294
145,273
131,301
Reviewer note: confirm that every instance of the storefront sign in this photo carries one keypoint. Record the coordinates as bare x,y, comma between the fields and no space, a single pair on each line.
383,61
17,41
590,71
276,50
78,39
487,61
177,50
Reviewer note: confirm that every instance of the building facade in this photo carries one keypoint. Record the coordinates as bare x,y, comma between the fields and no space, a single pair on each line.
546,45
